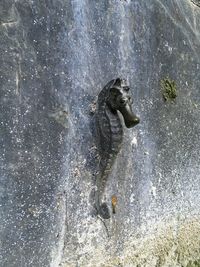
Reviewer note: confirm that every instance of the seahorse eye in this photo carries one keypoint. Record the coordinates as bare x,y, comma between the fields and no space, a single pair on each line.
123,101
126,88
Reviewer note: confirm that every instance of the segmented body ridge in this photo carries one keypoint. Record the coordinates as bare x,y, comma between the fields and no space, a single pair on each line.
110,135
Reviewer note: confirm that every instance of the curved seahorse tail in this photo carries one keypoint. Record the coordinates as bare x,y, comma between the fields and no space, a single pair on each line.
104,211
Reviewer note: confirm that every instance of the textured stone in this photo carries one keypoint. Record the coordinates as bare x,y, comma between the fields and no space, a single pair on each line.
56,55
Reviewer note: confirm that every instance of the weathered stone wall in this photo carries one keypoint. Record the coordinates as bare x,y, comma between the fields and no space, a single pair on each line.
56,55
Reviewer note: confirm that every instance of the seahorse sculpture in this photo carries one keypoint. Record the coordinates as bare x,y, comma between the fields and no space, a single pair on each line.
113,98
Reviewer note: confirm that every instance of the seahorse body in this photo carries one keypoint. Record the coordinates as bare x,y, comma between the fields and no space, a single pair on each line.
110,135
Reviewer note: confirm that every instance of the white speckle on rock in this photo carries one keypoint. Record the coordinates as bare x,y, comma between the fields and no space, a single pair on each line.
153,190
134,141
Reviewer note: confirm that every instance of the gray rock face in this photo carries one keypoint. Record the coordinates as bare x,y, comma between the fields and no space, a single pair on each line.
55,58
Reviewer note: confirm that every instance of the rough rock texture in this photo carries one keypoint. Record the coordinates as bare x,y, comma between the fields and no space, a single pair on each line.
56,55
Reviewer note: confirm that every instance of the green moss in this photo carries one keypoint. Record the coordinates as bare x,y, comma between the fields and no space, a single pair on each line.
194,264
169,89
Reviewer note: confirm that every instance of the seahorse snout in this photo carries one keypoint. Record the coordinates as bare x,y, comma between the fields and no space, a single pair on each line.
130,119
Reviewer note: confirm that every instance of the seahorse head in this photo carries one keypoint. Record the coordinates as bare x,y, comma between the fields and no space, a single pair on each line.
119,98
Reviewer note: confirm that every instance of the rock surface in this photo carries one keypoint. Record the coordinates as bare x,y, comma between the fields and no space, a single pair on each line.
56,55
